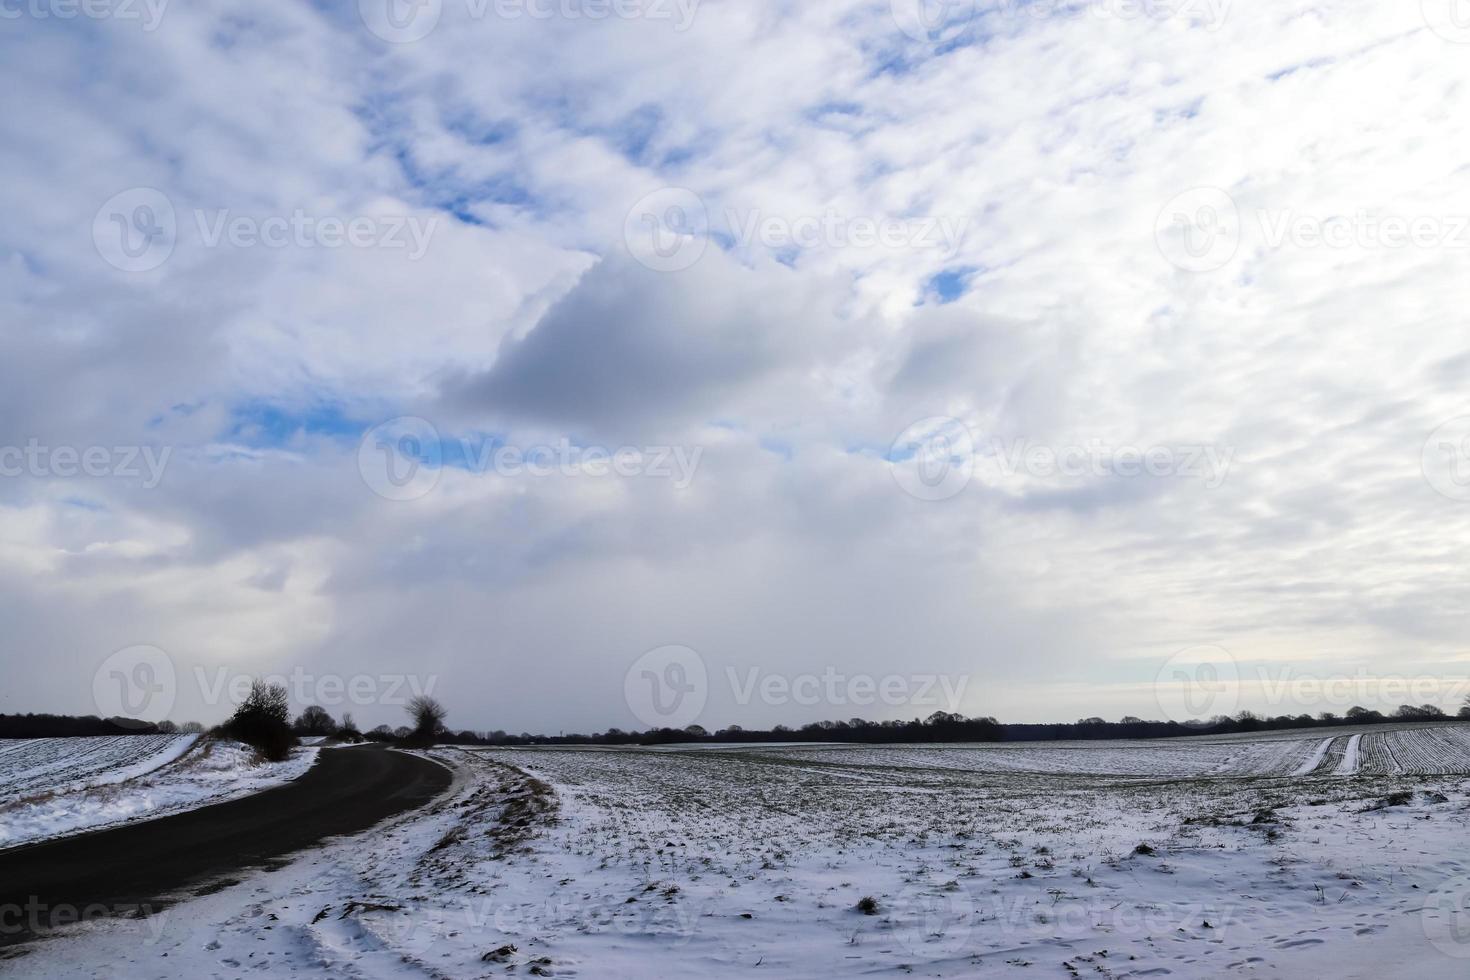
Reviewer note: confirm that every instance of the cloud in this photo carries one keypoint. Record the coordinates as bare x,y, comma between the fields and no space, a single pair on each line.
1062,151
634,347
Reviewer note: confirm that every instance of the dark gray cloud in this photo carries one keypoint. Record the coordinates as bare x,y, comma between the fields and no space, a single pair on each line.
632,348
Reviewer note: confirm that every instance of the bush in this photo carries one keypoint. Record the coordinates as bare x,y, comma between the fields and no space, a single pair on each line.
261,721
868,905
428,717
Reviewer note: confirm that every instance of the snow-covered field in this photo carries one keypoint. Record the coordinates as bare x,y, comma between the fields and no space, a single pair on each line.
67,764
1337,854
51,787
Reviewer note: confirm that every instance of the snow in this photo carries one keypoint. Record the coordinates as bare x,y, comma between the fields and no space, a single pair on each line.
161,778
1349,764
750,862
1316,760
68,764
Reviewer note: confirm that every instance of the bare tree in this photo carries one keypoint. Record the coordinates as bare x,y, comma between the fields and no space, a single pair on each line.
428,715
262,720
265,701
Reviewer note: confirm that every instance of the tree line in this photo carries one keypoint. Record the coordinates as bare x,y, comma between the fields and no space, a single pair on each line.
263,720
944,726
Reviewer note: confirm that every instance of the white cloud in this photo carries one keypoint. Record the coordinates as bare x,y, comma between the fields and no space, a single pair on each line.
1055,143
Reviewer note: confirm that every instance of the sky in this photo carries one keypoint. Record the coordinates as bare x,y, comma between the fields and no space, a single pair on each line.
631,362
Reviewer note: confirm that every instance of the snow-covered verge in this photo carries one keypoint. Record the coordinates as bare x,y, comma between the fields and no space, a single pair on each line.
186,773
754,862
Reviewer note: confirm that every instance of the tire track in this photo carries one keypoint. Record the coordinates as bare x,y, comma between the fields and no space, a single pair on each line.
1349,764
1317,759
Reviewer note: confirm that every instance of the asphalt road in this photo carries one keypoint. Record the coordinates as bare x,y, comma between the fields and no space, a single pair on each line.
155,862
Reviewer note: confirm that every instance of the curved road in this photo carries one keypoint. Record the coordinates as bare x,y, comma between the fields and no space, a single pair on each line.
155,862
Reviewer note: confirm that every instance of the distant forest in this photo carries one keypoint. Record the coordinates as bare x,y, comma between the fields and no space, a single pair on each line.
948,727
938,727
60,726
